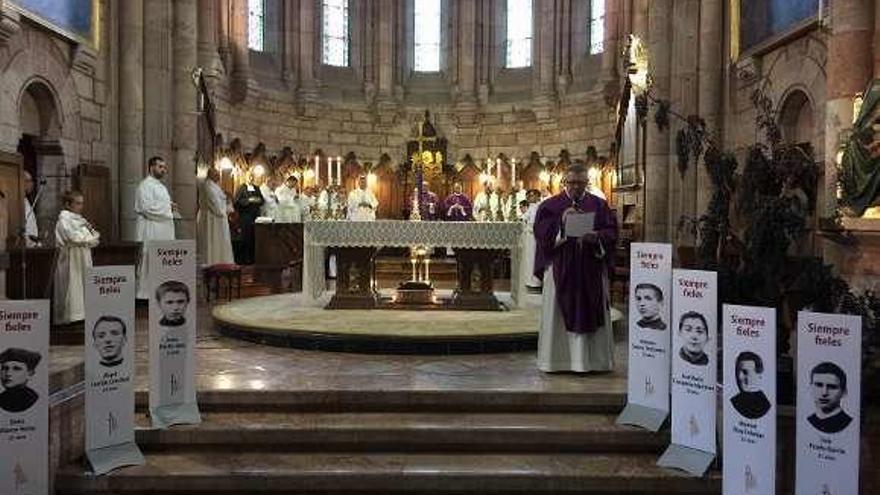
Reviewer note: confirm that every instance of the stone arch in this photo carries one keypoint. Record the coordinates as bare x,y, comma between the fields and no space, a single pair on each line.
38,110
796,118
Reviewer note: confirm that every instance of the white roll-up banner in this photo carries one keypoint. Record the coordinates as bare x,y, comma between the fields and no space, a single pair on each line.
24,399
694,370
109,356
828,403
172,333
649,336
749,335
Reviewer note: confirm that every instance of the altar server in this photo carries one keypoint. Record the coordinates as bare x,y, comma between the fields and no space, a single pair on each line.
362,203
290,204
457,207
155,216
74,237
575,332
486,204
527,275
270,204
214,239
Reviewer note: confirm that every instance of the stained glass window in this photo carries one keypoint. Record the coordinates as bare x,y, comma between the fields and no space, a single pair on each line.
518,43
335,33
426,35
256,25
597,26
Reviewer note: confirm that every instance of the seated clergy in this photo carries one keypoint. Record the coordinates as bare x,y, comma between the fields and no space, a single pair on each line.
289,201
457,207
574,259
74,237
362,203
214,239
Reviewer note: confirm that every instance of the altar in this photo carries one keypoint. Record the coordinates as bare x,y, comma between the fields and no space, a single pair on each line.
475,244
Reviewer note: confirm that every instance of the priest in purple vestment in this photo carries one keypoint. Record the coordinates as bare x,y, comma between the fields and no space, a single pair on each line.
457,207
429,203
576,311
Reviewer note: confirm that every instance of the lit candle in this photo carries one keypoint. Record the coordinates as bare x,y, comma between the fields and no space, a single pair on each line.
513,172
427,270
329,171
413,261
339,170
317,171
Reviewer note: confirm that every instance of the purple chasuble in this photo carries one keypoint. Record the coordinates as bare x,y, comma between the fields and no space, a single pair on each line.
457,215
579,269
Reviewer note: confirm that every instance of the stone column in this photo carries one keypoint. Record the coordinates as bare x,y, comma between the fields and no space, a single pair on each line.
657,213
241,71
369,61
563,45
542,61
185,107
131,111
307,88
225,52
849,67
209,57
385,43
710,89
612,38
465,64
157,80
287,38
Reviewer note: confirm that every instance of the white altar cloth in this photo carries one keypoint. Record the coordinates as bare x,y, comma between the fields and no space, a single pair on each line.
318,235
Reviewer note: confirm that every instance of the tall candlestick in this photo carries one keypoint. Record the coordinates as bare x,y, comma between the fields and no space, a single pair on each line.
329,171
317,171
338,170
513,172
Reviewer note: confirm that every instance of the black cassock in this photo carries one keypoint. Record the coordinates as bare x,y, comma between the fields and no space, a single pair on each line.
248,201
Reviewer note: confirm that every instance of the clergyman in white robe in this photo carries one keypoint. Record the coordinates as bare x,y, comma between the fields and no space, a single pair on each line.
362,203
486,205
155,218
270,205
74,239
214,239
527,263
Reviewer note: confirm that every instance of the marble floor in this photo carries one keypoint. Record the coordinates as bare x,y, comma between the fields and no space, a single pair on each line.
226,364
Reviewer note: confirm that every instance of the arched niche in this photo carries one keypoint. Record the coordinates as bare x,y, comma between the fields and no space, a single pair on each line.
796,118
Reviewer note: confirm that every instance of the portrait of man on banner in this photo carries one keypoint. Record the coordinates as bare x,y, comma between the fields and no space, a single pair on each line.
173,299
750,402
109,336
828,387
694,332
649,303
17,366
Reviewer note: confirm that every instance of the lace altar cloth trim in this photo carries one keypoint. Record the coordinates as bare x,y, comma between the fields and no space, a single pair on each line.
403,233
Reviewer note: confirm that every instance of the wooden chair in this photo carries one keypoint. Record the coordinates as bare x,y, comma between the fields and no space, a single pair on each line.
214,274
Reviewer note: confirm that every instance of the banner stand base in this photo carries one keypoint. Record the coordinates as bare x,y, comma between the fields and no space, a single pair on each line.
690,460
112,457
175,414
645,417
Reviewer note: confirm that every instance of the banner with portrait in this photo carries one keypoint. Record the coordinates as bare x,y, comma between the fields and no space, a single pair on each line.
649,336
24,399
749,335
109,333
694,370
828,403
172,283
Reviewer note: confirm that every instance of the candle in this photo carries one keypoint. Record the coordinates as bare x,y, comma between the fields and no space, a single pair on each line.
513,172
339,170
498,170
329,172
317,171
427,270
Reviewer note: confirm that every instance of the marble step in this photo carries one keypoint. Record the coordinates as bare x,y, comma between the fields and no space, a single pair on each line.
376,432
597,396
346,472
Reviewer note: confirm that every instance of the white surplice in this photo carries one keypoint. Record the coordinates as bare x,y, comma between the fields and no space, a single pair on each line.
155,222
485,207
214,240
74,238
356,212
289,205
527,263
561,350
270,202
